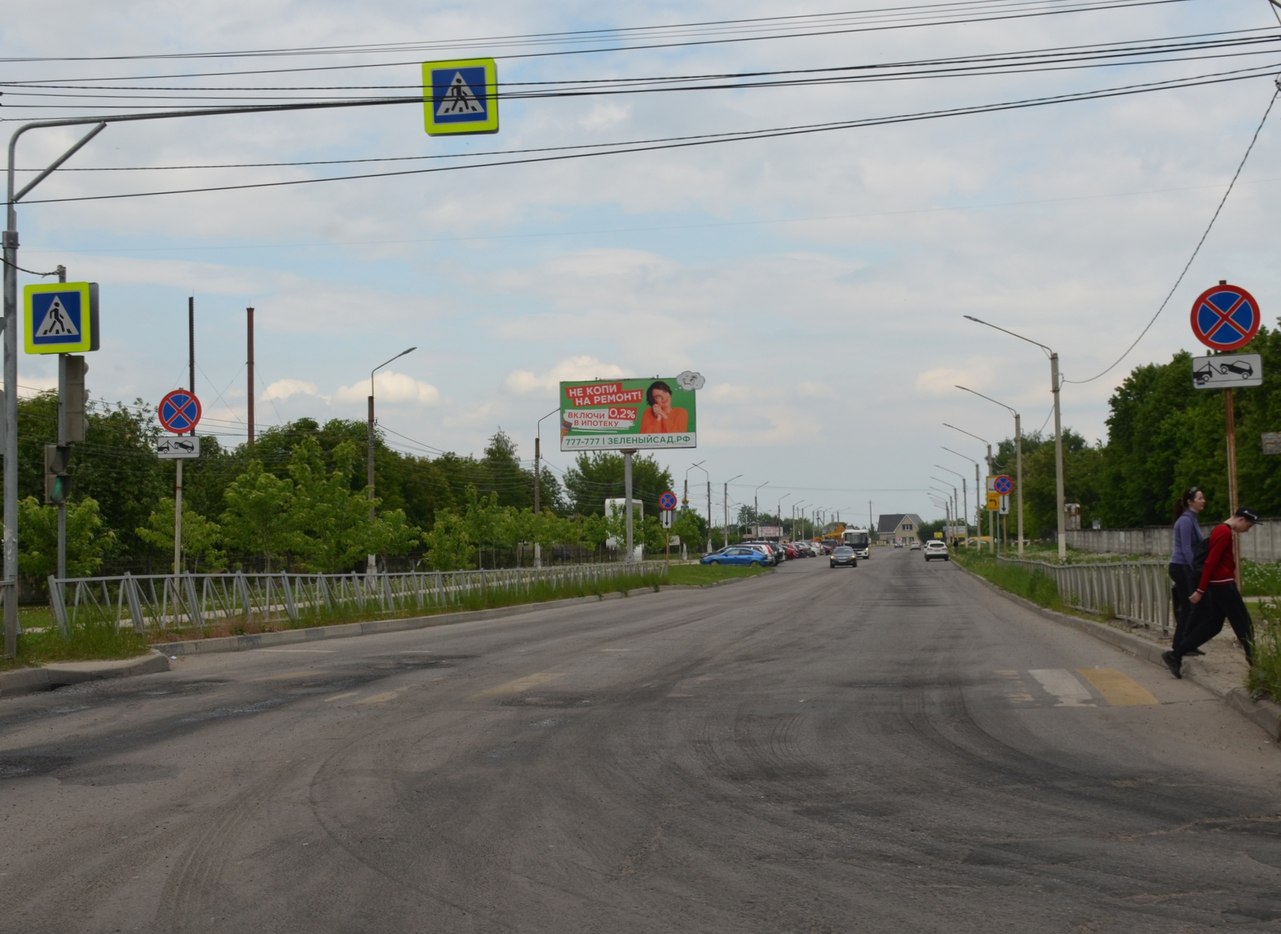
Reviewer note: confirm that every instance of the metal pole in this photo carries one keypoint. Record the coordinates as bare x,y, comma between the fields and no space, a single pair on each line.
369,477
726,505
709,499
538,479
62,440
1058,458
627,499
1018,478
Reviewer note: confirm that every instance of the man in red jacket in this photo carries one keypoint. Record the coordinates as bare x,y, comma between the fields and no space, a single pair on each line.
1217,596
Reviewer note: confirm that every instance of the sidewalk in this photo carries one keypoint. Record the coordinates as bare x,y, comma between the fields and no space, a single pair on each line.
1221,669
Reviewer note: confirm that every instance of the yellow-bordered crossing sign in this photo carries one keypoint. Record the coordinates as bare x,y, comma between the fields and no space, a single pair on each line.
60,317
460,96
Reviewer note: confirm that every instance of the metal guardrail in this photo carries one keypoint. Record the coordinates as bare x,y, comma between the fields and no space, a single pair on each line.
1135,591
167,601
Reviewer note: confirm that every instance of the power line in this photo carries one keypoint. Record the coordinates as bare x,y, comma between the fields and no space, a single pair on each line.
557,154
1195,250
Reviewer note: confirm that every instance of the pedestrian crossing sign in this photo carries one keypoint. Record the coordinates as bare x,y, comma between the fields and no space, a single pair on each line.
460,96
61,317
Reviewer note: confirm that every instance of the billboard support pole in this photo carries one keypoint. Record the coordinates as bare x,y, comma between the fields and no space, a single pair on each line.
627,501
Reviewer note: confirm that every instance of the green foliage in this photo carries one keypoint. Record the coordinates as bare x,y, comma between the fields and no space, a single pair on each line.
697,575
1264,676
595,478
201,538
40,643
1026,582
251,524
87,541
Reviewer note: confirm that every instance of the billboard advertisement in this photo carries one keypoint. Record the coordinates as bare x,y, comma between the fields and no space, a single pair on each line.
611,415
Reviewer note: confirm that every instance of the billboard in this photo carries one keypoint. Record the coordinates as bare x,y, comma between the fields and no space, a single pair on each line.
611,415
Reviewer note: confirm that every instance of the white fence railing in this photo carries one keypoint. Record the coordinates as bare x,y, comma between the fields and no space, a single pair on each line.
1135,591
158,601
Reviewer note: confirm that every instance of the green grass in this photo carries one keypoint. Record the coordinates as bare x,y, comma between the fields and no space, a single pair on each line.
1028,583
699,574
40,643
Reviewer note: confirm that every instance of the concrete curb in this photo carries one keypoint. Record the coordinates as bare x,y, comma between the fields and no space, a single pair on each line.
61,674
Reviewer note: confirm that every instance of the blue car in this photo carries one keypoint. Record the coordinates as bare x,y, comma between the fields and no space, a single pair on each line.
737,554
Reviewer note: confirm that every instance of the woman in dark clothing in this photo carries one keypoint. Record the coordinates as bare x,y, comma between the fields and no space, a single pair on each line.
1187,532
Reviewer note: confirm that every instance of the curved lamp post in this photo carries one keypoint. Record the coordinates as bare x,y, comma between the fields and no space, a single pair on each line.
1018,454
1058,430
725,505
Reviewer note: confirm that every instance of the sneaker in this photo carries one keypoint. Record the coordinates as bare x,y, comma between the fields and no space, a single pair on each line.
1174,663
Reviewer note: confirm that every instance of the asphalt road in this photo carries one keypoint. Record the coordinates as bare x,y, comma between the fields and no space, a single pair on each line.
888,748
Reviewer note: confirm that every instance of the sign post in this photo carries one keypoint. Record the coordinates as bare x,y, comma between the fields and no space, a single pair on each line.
1226,317
179,413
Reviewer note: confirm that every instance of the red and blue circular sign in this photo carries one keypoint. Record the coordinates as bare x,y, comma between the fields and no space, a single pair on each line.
1003,484
179,411
667,500
1225,317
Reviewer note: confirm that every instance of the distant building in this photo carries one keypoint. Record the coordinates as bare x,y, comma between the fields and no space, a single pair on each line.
898,527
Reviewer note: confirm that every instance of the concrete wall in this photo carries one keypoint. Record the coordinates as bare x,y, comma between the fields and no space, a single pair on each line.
1262,543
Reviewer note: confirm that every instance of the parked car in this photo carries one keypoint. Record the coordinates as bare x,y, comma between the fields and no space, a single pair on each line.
936,549
843,557
738,554
772,548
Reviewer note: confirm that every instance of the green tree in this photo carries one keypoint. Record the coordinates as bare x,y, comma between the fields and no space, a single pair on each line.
330,519
501,474
449,544
201,537
87,540
595,478
256,520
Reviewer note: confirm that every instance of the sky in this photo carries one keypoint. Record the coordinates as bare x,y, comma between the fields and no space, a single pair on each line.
817,280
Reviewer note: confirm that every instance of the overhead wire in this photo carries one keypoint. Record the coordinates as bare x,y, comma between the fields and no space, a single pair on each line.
1195,250
557,154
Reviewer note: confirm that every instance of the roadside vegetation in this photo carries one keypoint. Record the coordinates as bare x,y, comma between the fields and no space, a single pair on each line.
40,643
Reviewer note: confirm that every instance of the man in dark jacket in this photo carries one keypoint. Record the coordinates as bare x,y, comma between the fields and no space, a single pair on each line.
1217,596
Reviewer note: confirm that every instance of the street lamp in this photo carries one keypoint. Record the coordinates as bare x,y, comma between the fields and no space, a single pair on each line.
780,516
991,529
371,562
1018,454
965,498
1058,432
709,497
978,504
756,509
538,478
371,424
798,509
725,504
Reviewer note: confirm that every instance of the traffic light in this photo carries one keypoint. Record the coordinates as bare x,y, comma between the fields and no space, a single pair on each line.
57,481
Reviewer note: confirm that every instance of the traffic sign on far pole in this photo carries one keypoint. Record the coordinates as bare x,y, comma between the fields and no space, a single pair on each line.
1225,317
179,411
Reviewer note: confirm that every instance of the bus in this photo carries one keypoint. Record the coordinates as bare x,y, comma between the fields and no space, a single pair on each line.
860,540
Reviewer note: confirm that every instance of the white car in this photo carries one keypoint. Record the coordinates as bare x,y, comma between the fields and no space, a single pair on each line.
936,549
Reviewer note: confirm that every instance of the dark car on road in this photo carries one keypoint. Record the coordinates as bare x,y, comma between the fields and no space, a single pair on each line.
843,557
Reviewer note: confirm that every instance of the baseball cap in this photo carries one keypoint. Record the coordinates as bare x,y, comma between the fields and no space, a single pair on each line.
1247,514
